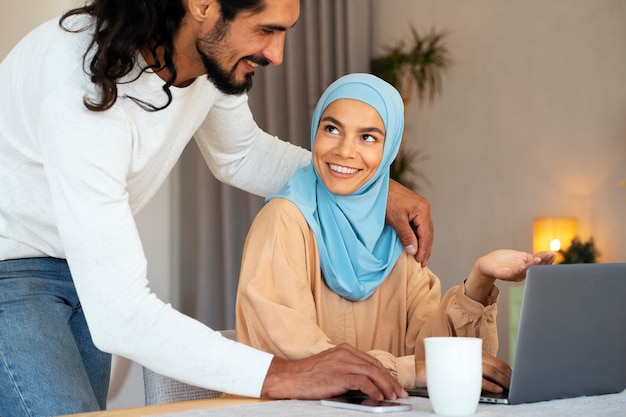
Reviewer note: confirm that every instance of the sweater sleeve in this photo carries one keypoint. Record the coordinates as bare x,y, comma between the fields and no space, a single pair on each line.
86,156
239,153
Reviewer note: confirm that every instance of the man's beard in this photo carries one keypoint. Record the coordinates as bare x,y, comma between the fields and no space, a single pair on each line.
221,78
224,80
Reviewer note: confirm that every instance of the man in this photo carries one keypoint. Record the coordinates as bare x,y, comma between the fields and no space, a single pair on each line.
93,116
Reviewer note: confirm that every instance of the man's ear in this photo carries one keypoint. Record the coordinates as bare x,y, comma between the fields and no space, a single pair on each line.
204,10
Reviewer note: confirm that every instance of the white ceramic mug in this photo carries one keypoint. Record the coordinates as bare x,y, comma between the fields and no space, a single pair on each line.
454,374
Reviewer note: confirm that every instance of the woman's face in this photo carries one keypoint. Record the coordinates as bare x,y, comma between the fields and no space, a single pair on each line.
348,145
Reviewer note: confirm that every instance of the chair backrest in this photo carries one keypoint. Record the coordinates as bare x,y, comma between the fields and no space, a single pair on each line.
160,389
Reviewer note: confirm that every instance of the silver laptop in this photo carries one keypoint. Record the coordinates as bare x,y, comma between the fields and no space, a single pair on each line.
572,334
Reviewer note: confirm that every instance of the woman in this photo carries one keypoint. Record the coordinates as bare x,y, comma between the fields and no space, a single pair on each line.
320,267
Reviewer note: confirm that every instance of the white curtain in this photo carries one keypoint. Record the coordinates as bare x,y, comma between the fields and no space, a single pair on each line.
330,39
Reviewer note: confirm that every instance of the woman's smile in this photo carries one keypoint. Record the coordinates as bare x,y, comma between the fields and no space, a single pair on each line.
342,169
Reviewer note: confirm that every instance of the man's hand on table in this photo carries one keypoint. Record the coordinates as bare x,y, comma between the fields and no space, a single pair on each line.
332,372
409,214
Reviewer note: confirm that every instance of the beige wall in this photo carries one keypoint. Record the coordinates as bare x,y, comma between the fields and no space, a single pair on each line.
17,19
532,122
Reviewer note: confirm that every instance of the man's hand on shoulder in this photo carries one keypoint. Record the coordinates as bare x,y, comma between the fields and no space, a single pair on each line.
409,214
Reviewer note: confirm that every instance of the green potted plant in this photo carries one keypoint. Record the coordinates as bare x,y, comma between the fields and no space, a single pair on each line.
580,252
413,66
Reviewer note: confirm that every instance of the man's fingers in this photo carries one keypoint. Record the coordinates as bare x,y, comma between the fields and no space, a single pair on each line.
366,386
409,214
425,236
335,371
406,233
416,239
375,380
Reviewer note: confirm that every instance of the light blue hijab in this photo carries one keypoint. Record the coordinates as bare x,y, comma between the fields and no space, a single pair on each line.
357,249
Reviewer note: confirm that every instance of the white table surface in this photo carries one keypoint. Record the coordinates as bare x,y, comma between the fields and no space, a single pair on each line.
596,406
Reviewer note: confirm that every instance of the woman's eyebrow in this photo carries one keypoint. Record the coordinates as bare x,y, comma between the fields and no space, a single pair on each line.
332,120
338,123
373,129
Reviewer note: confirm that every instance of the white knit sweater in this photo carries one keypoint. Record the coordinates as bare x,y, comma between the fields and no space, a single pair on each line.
71,181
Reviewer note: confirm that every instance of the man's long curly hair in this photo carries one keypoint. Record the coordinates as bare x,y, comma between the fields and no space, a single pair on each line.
122,28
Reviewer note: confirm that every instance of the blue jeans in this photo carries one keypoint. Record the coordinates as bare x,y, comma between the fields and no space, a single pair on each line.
48,362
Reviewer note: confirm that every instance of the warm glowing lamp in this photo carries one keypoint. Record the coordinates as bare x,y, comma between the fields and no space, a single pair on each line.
553,233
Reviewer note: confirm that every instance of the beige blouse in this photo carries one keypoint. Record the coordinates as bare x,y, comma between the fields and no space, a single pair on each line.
285,307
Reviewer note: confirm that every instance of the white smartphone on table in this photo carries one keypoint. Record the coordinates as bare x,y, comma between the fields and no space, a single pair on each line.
366,404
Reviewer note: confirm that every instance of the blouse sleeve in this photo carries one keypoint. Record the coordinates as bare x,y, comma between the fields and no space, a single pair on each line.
455,315
275,307
427,315
422,301
402,368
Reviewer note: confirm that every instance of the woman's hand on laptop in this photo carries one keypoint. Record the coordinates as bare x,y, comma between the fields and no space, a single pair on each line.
503,264
496,374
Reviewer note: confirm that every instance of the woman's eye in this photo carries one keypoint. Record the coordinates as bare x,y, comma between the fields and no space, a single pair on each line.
369,138
332,129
